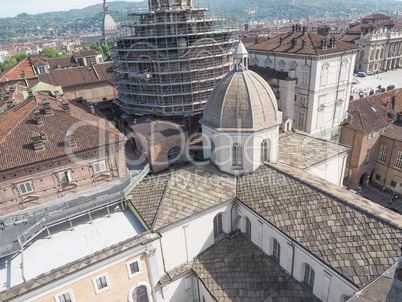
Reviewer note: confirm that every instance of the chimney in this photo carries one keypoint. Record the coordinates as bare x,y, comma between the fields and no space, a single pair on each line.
92,108
304,44
70,139
38,117
293,43
37,141
8,100
324,44
30,93
332,42
293,28
57,94
43,136
12,89
48,108
66,106
304,29
280,41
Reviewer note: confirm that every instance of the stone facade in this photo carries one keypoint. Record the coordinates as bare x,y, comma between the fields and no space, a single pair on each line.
315,93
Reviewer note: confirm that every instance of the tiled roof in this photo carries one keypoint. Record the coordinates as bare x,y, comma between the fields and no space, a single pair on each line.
91,52
394,131
77,76
303,151
312,47
181,194
269,73
237,270
354,236
371,113
18,123
62,63
18,71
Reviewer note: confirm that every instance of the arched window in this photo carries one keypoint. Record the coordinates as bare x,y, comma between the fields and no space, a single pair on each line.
265,150
324,74
276,251
140,293
174,156
255,62
309,275
382,54
372,55
377,53
217,226
248,227
268,63
237,156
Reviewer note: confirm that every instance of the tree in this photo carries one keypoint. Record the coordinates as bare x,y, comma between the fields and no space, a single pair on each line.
96,47
105,50
50,52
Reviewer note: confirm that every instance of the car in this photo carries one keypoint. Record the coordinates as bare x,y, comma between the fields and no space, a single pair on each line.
361,74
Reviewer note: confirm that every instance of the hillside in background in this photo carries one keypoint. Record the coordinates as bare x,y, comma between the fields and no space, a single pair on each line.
89,19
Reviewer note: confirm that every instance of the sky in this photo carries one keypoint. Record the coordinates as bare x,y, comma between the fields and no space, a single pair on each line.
11,8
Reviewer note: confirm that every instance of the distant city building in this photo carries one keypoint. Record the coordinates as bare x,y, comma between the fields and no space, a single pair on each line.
311,76
4,55
170,58
380,43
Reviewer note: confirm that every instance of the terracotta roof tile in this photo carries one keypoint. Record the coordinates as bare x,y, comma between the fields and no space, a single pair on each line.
18,71
17,124
312,47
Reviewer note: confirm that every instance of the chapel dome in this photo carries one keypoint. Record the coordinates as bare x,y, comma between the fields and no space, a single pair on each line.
242,100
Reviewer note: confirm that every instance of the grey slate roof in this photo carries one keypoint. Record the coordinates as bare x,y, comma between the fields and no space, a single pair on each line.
176,195
337,226
303,151
237,270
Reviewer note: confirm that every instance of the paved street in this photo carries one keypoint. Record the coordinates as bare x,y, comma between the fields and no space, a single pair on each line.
377,195
385,79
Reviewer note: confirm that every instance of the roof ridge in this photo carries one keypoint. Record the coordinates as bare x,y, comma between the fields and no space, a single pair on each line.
158,210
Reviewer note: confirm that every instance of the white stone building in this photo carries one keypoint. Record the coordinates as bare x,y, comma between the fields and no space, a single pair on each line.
315,92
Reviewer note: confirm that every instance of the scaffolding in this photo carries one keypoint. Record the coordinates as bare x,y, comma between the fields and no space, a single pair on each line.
171,57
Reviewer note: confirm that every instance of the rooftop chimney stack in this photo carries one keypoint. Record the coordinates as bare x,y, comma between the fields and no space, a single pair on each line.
57,94
332,42
43,136
30,93
37,141
38,117
92,108
324,44
70,139
304,29
293,28
280,41
293,43
48,108
66,106
304,44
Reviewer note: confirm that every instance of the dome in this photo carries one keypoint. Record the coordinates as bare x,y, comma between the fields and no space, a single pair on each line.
242,100
109,26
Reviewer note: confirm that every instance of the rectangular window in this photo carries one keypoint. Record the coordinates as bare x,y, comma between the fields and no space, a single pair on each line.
371,134
393,183
236,156
309,275
64,177
134,268
99,166
101,283
301,119
67,296
398,160
303,100
276,250
304,78
25,187
367,156
378,177
383,154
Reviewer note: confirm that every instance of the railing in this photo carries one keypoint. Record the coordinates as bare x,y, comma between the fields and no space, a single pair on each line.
64,209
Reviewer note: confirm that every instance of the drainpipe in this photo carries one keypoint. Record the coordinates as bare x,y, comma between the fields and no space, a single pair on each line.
293,257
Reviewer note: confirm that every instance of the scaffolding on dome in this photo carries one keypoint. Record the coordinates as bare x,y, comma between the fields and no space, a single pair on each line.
171,57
